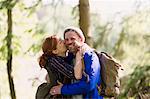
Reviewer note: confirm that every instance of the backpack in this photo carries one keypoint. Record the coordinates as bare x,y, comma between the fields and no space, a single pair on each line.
109,75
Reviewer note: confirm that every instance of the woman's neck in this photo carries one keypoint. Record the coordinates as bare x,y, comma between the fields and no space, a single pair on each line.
62,54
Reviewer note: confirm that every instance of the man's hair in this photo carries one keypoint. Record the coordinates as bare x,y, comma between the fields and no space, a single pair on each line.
76,30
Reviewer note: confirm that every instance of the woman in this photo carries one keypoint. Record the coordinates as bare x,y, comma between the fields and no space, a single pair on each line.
57,65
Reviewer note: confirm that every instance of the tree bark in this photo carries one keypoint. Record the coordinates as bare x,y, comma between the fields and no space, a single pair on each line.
9,54
84,20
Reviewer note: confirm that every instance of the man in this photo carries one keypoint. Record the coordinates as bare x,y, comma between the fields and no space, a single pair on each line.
88,88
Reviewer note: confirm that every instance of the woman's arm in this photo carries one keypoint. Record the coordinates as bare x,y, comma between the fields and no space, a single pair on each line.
79,64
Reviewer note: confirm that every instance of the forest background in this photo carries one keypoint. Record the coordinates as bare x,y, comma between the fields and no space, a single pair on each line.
119,27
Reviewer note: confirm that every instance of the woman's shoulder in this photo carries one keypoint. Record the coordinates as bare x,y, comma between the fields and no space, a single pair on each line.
55,58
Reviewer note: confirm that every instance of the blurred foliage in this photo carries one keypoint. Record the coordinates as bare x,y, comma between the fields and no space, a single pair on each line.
3,52
138,83
127,39
16,46
9,4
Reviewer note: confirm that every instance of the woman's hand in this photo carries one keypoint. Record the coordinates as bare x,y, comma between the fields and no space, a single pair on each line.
56,89
77,45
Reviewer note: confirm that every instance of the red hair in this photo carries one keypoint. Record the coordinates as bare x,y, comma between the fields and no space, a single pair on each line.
49,44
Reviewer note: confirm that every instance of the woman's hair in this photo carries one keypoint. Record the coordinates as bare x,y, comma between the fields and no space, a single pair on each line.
48,46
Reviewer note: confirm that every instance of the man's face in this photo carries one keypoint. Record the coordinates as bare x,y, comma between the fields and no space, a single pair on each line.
70,38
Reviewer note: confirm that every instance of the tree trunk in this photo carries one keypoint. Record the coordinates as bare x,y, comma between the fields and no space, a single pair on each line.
9,53
84,20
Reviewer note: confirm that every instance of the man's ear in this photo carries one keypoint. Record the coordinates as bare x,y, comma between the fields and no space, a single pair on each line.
55,52
81,40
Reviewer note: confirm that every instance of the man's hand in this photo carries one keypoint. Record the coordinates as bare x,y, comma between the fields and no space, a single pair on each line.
56,89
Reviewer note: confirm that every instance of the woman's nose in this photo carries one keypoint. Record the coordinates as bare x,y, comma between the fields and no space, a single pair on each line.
63,41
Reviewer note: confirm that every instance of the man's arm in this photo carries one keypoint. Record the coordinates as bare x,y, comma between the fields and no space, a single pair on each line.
92,68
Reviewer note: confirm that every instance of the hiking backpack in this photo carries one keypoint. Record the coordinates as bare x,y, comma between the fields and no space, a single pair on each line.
109,75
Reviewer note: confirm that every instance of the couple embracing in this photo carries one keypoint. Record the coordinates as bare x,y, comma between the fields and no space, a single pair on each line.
76,74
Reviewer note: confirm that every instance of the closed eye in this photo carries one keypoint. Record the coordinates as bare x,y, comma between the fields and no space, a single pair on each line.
66,39
72,39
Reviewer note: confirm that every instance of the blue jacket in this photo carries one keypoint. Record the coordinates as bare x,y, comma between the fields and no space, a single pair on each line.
87,89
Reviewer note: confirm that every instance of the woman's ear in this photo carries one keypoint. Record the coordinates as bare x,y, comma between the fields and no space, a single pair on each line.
55,52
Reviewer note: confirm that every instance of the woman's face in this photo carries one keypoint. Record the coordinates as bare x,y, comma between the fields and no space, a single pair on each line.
61,48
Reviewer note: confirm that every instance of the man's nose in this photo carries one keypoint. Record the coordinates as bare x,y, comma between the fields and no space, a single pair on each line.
68,42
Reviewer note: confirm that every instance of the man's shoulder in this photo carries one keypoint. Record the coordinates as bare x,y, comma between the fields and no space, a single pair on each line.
88,53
